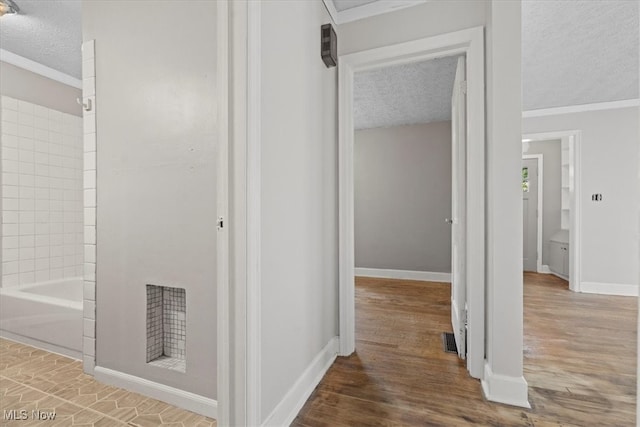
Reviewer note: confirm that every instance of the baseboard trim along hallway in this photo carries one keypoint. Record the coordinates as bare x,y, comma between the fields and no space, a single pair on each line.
287,410
426,276
621,289
173,396
505,389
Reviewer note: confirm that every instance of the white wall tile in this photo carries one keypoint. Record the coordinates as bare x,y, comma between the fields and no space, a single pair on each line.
89,346
89,327
27,229
27,278
10,255
11,279
8,103
10,217
89,291
89,309
41,171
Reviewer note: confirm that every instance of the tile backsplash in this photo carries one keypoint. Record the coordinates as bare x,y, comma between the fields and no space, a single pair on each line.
42,208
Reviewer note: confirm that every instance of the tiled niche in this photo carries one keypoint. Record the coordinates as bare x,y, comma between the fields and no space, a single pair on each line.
166,327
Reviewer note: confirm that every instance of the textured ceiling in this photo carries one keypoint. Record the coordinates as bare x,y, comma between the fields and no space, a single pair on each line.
579,52
46,31
404,94
574,51
350,4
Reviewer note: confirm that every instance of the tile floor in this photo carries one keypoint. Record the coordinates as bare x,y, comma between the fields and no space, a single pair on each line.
36,380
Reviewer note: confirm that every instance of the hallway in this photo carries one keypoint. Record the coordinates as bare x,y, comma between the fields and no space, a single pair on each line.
589,381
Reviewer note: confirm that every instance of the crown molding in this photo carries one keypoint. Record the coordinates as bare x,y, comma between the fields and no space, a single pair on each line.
38,68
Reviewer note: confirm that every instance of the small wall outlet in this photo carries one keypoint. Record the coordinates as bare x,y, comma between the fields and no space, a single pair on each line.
596,197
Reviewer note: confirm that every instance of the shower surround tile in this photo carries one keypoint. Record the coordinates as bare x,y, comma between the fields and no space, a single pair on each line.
41,152
89,194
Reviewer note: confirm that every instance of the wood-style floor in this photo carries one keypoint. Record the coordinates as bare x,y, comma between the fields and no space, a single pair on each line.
36,380
580,362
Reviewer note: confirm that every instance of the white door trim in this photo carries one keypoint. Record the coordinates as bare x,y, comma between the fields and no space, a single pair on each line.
471,43
253,292
223,298
540,159
573,138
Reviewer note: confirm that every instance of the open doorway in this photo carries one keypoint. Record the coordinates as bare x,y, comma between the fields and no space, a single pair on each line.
551,213
468,319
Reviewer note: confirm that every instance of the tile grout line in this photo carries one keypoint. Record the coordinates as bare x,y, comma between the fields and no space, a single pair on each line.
82,408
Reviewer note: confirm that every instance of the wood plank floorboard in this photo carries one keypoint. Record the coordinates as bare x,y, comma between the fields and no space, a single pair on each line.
579,361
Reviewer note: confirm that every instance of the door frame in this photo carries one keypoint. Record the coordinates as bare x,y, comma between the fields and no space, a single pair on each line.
223,319
540,168
573,139
471,43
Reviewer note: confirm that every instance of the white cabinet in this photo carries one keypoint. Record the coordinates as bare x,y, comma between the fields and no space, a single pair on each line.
559,254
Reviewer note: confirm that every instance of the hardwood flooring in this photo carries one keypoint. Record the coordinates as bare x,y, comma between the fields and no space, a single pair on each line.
580,362
36,380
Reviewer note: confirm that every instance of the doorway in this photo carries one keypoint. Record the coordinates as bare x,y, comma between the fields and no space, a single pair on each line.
532,212
470,44
558,219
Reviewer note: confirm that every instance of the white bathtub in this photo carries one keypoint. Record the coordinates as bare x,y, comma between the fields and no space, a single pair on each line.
46,315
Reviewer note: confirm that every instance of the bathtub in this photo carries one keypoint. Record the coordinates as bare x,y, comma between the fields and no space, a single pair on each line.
47,315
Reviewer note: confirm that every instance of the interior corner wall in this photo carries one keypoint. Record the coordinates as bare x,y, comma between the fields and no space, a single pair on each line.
299,212
28,86
156,118
402,179
551,190
608,165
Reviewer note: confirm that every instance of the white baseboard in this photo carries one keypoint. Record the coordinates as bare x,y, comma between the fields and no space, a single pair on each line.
505,389
286,411
173,396
427,276
63,351
623,289
559,275
544,269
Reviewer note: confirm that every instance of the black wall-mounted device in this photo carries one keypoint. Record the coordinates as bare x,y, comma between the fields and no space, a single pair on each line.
328,45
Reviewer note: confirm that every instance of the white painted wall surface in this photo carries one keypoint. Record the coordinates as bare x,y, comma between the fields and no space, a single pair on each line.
156,180
27,86
402,179
609,229
299,279
503,372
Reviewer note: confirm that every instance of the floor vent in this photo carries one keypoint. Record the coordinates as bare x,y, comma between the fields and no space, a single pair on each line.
449,342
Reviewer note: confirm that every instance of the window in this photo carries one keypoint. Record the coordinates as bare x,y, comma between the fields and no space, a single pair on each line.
525,180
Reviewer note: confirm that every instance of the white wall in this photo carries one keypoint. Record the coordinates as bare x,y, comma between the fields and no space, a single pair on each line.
156,117
609,229
299,196
402,180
